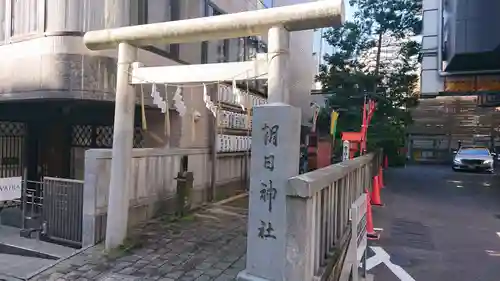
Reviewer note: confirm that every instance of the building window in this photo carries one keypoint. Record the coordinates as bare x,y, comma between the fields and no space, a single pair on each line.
25,17
156,11
267,3
215,51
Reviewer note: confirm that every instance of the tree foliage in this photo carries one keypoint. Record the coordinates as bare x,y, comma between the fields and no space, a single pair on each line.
349,74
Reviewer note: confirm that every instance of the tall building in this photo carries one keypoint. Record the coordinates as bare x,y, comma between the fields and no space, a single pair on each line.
56,96
389,54
459,75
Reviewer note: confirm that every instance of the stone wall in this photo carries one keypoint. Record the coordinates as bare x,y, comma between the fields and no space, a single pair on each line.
153,185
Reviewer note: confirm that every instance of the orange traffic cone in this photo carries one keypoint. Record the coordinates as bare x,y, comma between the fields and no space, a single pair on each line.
370,231
381,177
375,196
386,162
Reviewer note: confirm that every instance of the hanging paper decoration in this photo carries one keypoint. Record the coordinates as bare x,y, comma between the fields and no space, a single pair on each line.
208,102
237,94
316,110
157,99
194,113
167,117
143,110
179,105
315,119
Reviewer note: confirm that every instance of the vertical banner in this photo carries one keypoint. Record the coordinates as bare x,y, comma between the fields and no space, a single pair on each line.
333,123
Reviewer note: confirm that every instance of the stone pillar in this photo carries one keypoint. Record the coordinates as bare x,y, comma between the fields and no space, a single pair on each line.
279,71
275,158
123,137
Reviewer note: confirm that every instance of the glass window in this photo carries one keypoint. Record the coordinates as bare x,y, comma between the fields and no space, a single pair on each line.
24,17
475,152
155,11
215,51
267,3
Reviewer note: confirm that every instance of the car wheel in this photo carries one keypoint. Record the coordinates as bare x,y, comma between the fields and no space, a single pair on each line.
454,169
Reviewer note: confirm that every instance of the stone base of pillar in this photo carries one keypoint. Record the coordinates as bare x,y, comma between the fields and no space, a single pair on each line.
245,276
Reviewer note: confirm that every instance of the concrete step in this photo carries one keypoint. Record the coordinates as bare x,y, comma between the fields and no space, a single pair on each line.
20,266
10,236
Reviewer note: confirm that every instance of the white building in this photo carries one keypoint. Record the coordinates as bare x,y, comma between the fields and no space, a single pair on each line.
389,55
56,96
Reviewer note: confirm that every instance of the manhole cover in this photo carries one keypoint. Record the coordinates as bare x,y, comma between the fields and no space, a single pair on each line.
411,234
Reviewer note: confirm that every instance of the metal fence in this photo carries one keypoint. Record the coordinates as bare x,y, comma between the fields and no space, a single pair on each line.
32,200
62,210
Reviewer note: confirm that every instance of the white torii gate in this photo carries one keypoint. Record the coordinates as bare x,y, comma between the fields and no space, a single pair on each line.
278,22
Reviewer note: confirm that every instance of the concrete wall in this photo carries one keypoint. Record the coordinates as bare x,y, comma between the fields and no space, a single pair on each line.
430,81
152,184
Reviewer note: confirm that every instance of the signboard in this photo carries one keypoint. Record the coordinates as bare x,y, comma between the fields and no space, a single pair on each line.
345,150
460,84
10,188
358,223
359,240
488,83
471,83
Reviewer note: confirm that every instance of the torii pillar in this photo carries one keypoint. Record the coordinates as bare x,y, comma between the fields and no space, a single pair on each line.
277,22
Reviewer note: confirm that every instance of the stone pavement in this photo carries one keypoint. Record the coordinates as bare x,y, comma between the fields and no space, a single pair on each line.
208,245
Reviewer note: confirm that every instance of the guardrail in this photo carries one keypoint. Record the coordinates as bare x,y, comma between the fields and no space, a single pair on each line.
318,216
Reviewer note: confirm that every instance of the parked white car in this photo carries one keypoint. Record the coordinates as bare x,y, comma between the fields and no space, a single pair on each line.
474,159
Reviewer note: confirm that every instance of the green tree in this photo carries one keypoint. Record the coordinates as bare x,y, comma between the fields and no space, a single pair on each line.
348,77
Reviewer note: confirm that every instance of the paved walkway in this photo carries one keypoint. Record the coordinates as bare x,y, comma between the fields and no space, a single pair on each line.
210,245
439,225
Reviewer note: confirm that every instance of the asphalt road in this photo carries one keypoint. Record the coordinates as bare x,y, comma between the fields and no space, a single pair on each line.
439,225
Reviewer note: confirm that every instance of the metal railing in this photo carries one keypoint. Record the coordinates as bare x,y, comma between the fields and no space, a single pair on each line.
318,214
32,203
62,210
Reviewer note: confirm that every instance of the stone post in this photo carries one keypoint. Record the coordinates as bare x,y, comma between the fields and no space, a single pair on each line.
123,136
275,155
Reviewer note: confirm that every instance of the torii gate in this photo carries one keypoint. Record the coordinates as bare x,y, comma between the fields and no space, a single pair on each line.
278,22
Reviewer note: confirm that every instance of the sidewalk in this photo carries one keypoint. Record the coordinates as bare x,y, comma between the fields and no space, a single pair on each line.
208,245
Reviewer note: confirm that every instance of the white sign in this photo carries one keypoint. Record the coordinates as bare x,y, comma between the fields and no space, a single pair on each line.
382,256
10,188
359,239
345,150
359,209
